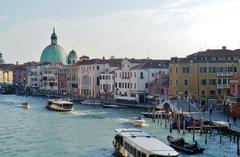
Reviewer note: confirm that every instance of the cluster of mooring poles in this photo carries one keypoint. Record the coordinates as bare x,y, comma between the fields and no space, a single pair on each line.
204,126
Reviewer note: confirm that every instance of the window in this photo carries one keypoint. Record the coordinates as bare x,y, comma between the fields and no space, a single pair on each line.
97,67
176,69
219,81
141,75
212,92
224,81
98,81
203,82
212,82
185,82
146,85
219,91
119,85
177,82
135,75
135,86
203,92
234,69
203,69
211,69
116,84
185,69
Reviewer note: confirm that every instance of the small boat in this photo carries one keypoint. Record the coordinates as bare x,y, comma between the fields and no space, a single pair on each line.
138,121
91,102
181,145
130,142
60,105
25,105
113,106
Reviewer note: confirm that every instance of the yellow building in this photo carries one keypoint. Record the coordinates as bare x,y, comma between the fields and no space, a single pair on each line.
6,76
204,77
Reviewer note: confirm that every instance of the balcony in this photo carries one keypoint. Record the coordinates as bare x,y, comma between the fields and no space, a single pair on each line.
223,86
224,73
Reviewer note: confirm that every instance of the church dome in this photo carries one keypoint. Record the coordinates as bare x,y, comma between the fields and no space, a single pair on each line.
72,57
54,52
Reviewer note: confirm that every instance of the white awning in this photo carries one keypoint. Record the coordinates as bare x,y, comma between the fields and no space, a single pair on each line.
150,97
125,98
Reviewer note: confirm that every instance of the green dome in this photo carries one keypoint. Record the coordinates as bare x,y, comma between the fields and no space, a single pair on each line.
54,52
72,56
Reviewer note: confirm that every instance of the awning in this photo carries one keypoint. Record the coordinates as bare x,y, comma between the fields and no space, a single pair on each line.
150,97
125,98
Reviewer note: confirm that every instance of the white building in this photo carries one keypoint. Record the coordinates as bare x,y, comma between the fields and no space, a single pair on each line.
49,77
132,79
34,76
107,82
89,75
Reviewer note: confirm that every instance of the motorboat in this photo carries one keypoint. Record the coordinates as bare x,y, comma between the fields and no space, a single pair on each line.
133,142
181,145
25,105
60,105
138,121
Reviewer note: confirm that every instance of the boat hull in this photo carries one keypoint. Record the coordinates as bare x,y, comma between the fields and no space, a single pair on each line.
56,108
185,147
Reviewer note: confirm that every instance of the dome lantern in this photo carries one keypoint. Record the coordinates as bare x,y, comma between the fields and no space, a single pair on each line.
54,37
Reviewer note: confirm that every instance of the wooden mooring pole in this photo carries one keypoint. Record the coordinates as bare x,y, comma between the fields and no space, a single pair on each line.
220,133
184,125
238,151
193,129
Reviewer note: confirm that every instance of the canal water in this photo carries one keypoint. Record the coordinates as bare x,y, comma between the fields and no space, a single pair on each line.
86,132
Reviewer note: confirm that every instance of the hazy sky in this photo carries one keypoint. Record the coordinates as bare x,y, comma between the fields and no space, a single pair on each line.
123,28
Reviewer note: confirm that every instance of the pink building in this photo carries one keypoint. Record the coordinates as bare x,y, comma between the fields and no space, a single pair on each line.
158,90
232,101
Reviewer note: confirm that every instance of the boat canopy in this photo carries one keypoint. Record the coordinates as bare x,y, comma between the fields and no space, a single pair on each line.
145,141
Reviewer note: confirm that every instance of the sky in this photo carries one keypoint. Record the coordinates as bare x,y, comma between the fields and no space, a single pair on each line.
158,29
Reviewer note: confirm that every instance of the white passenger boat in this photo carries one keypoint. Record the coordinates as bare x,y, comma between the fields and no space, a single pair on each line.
60,105
137,143
138,121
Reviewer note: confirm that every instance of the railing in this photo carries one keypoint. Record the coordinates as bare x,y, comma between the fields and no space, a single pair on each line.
221,86
224,73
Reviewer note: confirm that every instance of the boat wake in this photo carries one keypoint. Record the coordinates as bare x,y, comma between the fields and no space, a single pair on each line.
78,113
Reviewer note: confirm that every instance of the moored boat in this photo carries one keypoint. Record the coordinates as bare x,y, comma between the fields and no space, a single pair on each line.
113,106
181,145
25,105
91,102
138,121
135,143
60,105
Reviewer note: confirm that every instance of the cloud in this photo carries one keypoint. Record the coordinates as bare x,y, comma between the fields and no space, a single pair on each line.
3,18
175,29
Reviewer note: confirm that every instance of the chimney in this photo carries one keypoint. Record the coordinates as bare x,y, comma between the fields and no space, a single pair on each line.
224,47
103,58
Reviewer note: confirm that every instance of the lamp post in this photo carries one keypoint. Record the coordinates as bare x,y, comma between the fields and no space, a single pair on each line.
228,110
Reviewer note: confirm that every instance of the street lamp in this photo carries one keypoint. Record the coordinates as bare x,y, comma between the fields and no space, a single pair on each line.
228,110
